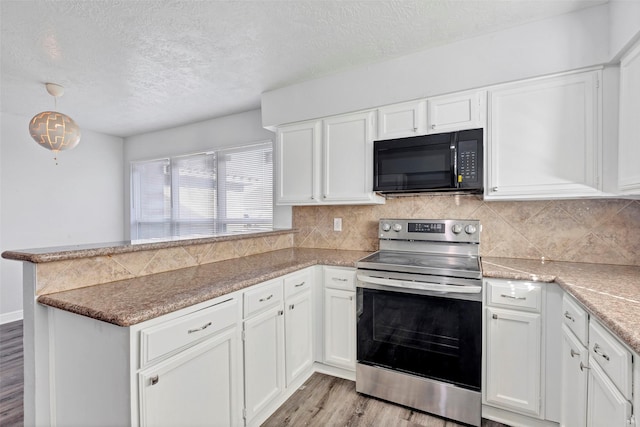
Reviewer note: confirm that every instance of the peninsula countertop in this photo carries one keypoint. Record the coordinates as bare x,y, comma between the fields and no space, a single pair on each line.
610,292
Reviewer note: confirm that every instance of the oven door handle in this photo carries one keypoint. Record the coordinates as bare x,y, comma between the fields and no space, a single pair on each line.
426,286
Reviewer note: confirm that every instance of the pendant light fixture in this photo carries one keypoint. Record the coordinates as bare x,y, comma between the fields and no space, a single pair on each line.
53,130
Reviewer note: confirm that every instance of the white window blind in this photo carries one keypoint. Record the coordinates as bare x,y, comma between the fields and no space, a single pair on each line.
203,194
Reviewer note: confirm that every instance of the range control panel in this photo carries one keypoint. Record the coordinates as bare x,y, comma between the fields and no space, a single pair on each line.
438,230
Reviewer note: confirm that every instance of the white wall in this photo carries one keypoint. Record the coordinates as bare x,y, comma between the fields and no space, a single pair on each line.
42,204
237,129
624,24
562,43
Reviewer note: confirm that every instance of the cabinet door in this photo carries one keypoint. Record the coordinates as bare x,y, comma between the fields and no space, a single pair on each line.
606,405
573,395
263,360
298,165
340,328
299,335
348,158
543,138
197,387
513,360
402,120
456,112
629,136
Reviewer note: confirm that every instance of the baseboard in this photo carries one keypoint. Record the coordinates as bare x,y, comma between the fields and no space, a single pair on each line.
513,419
11,317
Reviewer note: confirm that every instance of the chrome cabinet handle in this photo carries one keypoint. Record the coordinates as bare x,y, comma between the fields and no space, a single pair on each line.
292,306
583,366
154,380
266,299
494,316
280,312
568,316
574,353
201,328
494,189
512,297
337,279
299,284
433,126
596,350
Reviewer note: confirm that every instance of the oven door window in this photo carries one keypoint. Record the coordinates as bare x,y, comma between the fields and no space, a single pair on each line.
434,337
413,167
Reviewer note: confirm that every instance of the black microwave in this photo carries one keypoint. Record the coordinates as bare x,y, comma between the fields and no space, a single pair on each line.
440,162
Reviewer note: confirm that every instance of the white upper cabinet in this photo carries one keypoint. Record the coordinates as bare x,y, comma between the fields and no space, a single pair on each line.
456,112
629,132
298,163
544,138
326,161
402,120
348,159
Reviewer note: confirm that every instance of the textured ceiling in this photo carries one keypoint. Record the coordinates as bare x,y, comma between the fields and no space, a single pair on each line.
134,66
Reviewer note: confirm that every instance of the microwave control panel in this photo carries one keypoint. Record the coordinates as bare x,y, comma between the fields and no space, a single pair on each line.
468,161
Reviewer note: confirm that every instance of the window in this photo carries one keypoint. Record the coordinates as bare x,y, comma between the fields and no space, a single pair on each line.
203,194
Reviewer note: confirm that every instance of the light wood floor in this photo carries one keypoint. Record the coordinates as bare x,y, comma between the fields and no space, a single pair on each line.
11,374
324,400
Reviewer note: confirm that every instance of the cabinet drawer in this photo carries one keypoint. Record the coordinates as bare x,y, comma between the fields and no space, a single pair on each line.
513,294
340,278
612,356
262,297
297,282
179,333
576,319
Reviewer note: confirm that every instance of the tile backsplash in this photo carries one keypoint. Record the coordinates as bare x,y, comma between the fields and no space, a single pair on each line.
603,231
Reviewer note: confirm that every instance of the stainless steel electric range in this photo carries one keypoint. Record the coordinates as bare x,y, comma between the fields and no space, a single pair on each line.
419,325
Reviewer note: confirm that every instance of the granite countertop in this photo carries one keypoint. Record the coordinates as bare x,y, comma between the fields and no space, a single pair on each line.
131,301
610,292
61,253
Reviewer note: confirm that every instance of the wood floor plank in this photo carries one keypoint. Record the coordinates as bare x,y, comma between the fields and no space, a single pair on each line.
328,401
11,374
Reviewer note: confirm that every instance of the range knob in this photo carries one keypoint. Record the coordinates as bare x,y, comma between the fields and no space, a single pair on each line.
470,229
397,227
386,226
457,229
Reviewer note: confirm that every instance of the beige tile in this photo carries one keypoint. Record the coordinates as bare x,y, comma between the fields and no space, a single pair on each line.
135,262
623,231
591,213
517,213
199,252
85,272
553,231
591,248
495,230
48,273
169,259
219,251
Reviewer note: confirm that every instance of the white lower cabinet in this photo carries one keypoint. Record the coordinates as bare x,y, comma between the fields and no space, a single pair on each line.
597,373
298,325
575,368
264,376
513,359
606,405
195,387
340,318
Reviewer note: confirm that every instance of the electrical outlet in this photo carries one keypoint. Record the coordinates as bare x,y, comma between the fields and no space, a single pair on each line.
337,224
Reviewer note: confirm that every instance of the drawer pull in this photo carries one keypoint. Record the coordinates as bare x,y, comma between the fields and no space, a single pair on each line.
512,297
266,299
596,350
574,353
280,312
292,306
569,316
154,380
338,279
201,328
583,366
299,284
494,316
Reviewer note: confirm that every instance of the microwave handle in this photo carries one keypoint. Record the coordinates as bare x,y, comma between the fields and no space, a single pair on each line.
454,160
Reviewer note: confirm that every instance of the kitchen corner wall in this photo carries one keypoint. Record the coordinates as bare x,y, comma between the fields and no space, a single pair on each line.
605,231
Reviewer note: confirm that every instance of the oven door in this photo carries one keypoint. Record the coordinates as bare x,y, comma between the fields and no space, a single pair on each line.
436,335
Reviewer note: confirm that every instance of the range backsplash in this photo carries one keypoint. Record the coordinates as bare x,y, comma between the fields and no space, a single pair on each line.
603,231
